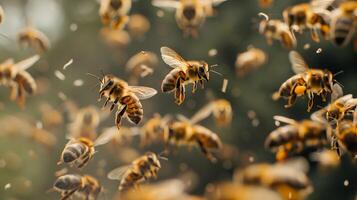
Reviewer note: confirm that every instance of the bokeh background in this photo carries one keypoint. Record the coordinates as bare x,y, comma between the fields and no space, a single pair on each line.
73,28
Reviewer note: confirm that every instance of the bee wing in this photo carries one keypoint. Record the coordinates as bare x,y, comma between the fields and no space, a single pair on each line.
213,2
298,63
319,5
337,92
319,116
105,137
182,118
118,173
143,92
172,58
168,4
284,120
27,63
202,114
299,164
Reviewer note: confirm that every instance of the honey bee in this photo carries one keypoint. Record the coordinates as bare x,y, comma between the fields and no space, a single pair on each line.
115,38
2,15
31,37
343,23
141,169
306,81
190,14
221,110
85,123
51,117
250,60
138,25
326,158
126,98
153,129
86,186
114,13
274,29
183,73
289,179
79,151
43,137
15,76
141,65
313,16
295,137
346,133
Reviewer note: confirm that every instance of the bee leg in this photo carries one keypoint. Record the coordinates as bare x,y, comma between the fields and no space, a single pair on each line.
335,146
182,94
114,104
67,194
194,87
202,84
269,41
206,152
315,35
311,103
291,101
118,115
106,102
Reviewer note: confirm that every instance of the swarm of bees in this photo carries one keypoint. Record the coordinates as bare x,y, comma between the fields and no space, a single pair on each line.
330,132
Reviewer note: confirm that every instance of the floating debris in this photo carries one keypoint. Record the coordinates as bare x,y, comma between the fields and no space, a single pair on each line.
78,82
60,75
224,85
67,64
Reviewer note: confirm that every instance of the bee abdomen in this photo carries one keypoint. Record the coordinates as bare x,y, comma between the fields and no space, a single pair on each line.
134,110
67,182
73,152
24,79
169,82
342,31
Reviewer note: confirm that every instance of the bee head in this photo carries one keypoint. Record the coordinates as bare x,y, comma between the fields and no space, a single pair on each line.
333,115
203,70
67,182
328,79
153,159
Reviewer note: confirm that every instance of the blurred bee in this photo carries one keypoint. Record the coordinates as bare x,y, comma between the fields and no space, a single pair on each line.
274,29
265,3
141,65
326,158
346,133
289,179
250,60
313,16
13,75
153,129
114,13
115,38
138,25
221,110
51,117
85,123
141,169
31,37
186,132
43,137
79,151
126,98
344,23
183,73
85,187
295,137
306,81
190,14
2,15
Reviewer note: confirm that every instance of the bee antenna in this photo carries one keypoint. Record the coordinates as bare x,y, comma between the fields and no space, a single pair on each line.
216,72
215,65
95,76
338,73
340,84
163,158
265,16
321,107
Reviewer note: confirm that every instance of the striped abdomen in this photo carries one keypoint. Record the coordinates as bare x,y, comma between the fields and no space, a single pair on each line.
281,136
130,180
134,108
169,82
25,80
287,87
342,30
73,152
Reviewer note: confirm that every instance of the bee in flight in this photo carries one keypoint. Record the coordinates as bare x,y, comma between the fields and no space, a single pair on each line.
141,169
346,134
183,73
126,98
86,186
114,13
153,129
306,81
79,151
141,65
250,60
31,37
295,137
190,14
15,76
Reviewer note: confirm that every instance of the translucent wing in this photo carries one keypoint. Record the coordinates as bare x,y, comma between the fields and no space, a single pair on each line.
202,114
167,4
182,118
118,173
9,61
27,63
284,119
105,137
319,116
143,92
318,5
298,164
337,92
172,58
298,63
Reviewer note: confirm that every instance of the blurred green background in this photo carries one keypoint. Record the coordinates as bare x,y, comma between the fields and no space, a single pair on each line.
32,167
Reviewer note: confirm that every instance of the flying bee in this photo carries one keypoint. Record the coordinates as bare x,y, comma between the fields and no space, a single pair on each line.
295,137
51,117
274,29
250,60
141,65
114,13
141,169
326,159
343,23
289,179
346,133
43,137
86,186
15,76
31,37
138,25
183,73
306,81
126,98
221,110
85,123
313,16
153,129
79,151
115,38
190,14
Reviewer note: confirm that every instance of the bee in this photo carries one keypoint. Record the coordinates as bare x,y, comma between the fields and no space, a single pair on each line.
343,23
115,38
326,159
43,137
141,65
85,123
183,73
266,3
86,186
221,110
2,15
190,14
15,76
187,132
114,13
51,117
153,129
274,29
313,16
306,81
31,37
346,133
295,137
250,60
289,179
138,25
141,169
79,151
